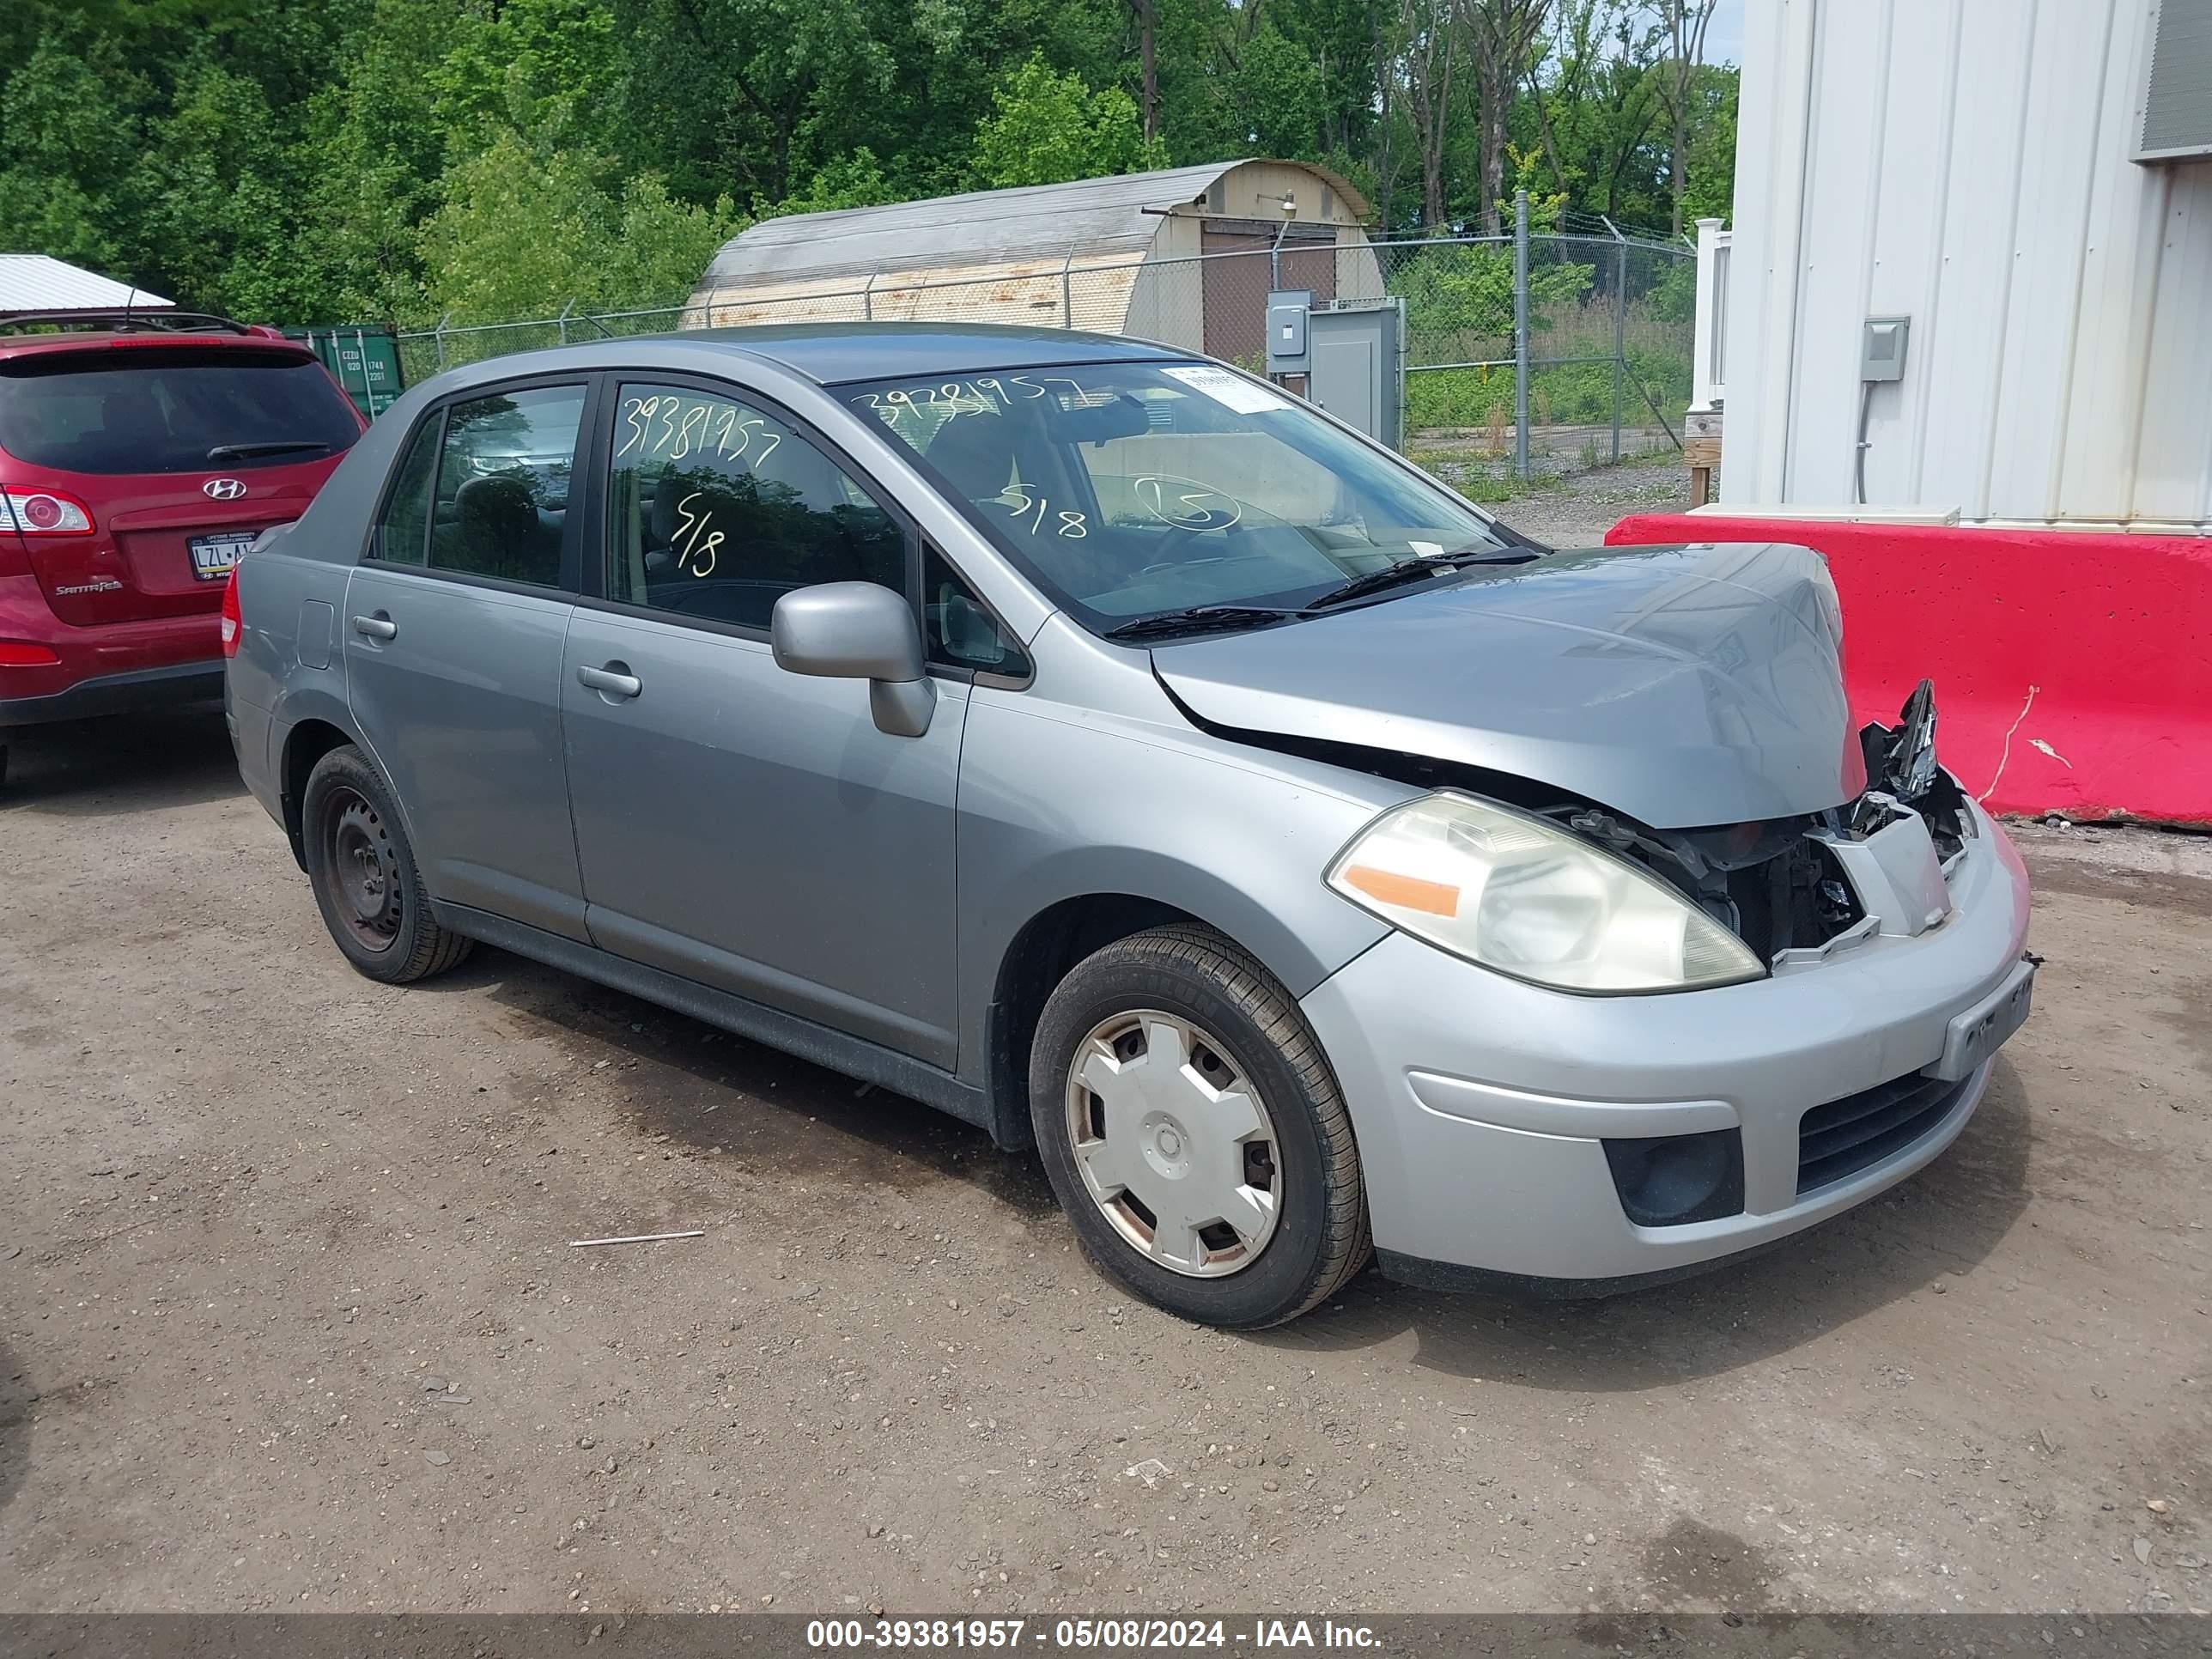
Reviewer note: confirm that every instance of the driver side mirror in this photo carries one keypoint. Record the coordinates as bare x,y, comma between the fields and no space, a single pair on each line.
858,631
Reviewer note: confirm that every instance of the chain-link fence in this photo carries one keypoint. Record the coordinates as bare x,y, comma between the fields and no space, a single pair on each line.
1598,368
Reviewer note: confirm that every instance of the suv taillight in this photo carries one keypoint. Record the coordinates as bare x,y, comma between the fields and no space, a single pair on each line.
44,512
231,623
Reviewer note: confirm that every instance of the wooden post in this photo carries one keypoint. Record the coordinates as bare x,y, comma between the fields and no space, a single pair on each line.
1701,450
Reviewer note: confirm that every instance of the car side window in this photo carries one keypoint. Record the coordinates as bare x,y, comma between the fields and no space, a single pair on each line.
961,632
403,531
716,510
503,473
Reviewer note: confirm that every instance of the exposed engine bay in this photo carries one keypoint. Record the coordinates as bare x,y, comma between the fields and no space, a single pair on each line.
1777,884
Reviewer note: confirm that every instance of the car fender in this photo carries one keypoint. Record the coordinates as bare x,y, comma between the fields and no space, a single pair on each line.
1053,809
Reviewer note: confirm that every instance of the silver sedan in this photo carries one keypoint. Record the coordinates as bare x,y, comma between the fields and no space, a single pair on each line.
1093,742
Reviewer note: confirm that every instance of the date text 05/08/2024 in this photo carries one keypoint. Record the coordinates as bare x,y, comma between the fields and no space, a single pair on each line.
1089,1634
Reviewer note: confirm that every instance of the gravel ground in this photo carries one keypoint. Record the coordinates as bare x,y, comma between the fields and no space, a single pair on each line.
1577,509
1570,502
288,1319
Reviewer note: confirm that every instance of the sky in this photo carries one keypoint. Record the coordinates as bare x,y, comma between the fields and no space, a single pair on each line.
1724,34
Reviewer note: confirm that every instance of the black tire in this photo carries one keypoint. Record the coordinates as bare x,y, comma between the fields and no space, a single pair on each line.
1321,1237
380,917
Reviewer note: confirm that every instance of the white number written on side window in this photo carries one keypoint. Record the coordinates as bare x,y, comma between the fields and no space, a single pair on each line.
697,542
669,426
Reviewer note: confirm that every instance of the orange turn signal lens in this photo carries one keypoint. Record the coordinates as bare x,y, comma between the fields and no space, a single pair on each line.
1434,898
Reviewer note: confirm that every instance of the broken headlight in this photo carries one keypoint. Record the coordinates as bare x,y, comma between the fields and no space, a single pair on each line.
1515,893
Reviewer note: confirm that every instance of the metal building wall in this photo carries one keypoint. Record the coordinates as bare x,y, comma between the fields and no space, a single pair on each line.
1966,162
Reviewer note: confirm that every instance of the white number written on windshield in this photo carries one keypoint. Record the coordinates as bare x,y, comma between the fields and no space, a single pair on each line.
1030,510
916,412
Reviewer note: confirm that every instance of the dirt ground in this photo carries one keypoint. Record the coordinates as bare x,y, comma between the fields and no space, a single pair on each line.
288,1318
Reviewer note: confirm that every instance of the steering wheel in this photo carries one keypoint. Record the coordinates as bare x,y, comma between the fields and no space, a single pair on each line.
1178,535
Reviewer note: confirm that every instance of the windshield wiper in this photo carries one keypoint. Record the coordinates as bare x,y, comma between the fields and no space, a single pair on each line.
274,447
1198,618
1407,570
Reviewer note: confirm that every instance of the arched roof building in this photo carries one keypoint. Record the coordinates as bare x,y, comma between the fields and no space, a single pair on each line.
1138,254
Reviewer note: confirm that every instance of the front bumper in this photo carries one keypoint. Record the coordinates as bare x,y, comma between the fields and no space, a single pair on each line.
1481,1104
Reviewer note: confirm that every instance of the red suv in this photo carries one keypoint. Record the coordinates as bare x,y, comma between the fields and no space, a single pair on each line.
139,456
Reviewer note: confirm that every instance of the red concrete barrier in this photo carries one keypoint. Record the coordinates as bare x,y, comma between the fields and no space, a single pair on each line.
2073,670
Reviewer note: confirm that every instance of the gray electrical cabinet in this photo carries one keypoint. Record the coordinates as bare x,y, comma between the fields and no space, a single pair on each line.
1881,347
1287,312
1355,373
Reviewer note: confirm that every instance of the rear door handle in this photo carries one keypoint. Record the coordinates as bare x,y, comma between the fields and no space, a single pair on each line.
615,679
378,627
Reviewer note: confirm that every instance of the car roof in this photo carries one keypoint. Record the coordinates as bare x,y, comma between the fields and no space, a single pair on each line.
102,339
835,354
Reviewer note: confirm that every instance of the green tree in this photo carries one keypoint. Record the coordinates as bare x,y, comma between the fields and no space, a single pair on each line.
1046,128
522,232
1278,95
327,160
852,181
552,69
72,128
216,189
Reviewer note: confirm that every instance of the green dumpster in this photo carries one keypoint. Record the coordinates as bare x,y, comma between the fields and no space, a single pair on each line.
364,359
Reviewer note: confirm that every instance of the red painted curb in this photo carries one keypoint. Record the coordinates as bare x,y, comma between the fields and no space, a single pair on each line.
2073,670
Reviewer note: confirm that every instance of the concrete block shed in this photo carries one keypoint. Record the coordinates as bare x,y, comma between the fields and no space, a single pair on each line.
2029,182
1131,254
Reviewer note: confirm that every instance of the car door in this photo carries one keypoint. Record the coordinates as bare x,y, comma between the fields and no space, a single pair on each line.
453,627
740,825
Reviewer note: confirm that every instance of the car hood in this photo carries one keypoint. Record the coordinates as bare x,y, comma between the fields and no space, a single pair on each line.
1684,686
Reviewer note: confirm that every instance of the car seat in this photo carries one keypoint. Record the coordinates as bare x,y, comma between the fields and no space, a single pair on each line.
495,520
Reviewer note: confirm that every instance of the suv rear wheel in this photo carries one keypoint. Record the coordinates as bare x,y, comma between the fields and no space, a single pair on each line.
363,873
1193,1133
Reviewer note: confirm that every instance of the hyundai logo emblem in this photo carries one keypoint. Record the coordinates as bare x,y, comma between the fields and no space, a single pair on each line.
223,490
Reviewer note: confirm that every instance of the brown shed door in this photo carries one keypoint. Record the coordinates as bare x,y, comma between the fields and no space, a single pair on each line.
1235,287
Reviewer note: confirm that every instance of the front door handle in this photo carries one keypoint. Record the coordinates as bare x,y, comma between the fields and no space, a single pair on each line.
615,679
378,627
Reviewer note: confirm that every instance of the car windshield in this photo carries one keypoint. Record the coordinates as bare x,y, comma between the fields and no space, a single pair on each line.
171,409
1137,489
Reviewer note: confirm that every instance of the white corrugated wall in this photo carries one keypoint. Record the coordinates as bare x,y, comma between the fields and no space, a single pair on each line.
1964,162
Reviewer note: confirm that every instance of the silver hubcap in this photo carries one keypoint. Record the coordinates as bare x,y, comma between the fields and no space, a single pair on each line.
1174,1145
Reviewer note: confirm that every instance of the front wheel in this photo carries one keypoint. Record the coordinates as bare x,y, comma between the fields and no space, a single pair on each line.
1193,1133
364,875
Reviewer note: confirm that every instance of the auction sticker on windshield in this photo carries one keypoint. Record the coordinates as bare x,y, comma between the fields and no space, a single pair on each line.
1245,397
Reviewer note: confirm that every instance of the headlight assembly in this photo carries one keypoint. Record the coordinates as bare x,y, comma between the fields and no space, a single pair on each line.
1523,896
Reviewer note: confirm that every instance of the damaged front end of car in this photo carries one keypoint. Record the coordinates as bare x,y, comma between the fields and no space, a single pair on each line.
1796,890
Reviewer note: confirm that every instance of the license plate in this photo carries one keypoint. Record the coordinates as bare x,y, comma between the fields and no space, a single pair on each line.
1981,1031
214,555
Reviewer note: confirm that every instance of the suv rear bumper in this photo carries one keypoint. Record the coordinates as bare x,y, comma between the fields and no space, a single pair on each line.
172,687
113,668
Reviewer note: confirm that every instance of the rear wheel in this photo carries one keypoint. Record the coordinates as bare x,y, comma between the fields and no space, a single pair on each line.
1193,1133
364,875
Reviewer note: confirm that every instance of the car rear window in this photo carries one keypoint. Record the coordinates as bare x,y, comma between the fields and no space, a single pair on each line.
170,409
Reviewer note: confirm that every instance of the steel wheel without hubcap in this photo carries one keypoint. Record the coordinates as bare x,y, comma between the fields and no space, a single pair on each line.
1174,1144
362,875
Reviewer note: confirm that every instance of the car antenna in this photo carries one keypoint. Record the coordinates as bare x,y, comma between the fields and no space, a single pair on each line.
128,300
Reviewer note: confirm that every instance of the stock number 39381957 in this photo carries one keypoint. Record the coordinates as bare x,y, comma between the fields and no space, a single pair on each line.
1086,1634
